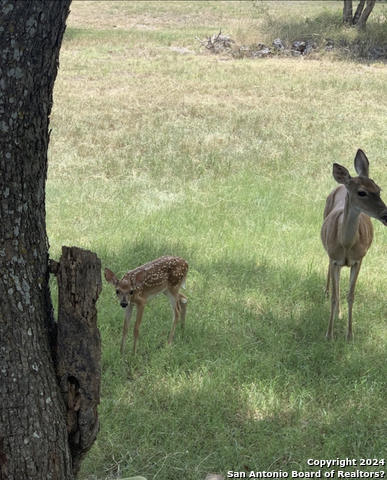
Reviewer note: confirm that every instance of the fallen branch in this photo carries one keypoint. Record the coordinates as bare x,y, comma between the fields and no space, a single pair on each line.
216,42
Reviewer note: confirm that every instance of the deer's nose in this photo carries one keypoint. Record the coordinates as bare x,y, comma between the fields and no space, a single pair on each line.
124,304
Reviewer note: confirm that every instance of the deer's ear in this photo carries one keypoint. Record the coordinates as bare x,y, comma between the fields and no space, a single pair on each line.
110,277
340,173
139,277
362,165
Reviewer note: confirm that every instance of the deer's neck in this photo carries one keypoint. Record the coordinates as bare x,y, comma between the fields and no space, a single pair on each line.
349,231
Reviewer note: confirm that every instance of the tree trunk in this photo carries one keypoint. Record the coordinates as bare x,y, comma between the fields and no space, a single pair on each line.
366,13
347,12
361,15
33,433
358,12
78,347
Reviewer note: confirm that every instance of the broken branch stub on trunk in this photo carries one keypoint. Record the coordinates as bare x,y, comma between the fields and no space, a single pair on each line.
78,349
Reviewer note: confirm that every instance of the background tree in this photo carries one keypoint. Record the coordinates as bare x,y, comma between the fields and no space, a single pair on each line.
33,428
361,15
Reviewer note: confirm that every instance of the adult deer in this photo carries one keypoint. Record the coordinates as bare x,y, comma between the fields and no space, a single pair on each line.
347,230
163,275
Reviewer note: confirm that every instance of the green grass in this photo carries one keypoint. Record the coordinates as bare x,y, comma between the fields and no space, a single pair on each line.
226,163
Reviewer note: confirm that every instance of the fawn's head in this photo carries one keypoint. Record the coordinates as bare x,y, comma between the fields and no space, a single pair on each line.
124,287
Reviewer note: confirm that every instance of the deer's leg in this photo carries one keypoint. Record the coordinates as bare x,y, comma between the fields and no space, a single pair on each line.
128,316
175,305
355,269
335,296
183,308
328,280
136,331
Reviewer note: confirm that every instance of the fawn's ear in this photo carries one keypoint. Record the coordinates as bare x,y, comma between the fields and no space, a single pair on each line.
362,164
340,173
110,277
139,278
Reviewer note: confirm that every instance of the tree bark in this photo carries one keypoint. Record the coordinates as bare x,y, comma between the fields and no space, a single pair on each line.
347,12
33,433
358,12
365,14
78,348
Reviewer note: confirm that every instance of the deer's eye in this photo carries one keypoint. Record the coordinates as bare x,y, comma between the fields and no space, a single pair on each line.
117,292
361,193
131,292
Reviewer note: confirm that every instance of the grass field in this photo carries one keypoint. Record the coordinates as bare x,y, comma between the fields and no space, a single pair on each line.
159,147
